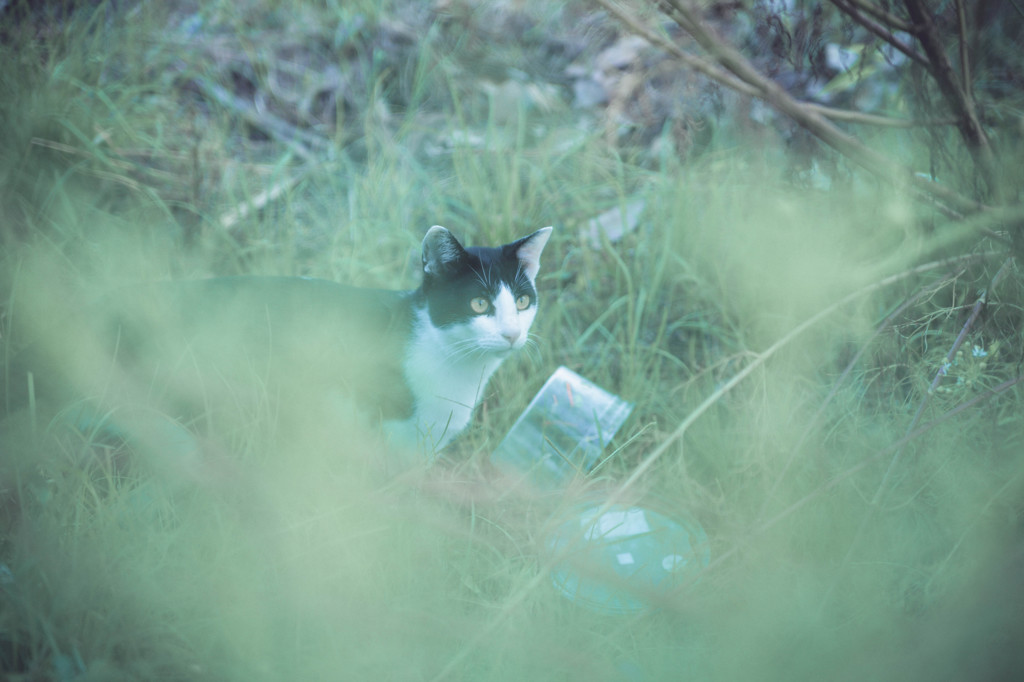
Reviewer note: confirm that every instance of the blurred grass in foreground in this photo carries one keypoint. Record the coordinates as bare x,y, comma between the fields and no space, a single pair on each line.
838,550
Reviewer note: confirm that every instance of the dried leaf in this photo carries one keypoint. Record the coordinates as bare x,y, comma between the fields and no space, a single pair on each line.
615,223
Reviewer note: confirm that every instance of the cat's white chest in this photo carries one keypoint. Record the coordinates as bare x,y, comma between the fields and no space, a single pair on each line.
447,380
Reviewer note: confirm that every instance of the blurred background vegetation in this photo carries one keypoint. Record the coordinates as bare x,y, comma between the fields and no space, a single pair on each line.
789,231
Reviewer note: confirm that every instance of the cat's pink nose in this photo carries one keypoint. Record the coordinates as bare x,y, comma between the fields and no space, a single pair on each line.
511,337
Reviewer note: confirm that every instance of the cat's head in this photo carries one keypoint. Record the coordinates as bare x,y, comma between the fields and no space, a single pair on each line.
483,299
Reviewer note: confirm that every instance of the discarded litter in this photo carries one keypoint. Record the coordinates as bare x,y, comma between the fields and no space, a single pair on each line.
622,559
609,557
563,431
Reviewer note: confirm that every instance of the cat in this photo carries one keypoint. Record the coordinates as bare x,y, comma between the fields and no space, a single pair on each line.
473,309
418,362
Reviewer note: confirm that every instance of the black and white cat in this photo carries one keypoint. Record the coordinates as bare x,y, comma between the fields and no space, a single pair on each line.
474,308
418,361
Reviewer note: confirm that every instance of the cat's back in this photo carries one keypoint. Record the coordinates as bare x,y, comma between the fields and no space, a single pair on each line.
260,306
312,336
196,340
298,325
285,307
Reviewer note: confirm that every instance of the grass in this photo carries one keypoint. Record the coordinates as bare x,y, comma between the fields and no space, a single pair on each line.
759,327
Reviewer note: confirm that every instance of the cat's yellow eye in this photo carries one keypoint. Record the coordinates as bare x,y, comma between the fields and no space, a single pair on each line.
479,305
523,302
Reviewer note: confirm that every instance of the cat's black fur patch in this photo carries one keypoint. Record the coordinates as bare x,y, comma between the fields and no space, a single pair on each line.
478,271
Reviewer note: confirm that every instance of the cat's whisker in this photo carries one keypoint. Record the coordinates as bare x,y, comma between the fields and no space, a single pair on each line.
457,356
532,350
462,349
484,278
465,344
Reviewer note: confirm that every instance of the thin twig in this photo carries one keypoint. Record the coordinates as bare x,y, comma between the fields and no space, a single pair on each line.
759,360
979,305
694,62
230,218
965,64
299,141
886,17
834,391
897,446
883,485
688,16
867,461
957,97
75,151
847,116
727,79
848,8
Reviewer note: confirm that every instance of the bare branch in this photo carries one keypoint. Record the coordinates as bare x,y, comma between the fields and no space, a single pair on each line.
965,64
299,141
888,18
696,63
688,16
727,79
847,7
847,116
957,98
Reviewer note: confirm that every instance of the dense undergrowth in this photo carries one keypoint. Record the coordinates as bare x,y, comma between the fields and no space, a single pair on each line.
825,374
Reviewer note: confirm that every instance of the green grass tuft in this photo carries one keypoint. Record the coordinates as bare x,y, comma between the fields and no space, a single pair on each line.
777,341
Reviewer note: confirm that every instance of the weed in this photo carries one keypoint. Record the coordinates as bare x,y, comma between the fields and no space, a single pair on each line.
818,377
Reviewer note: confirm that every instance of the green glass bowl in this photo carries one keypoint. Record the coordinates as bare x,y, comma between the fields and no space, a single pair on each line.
621,559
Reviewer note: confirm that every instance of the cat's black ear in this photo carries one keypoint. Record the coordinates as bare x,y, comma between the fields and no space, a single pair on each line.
528,250
441,251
